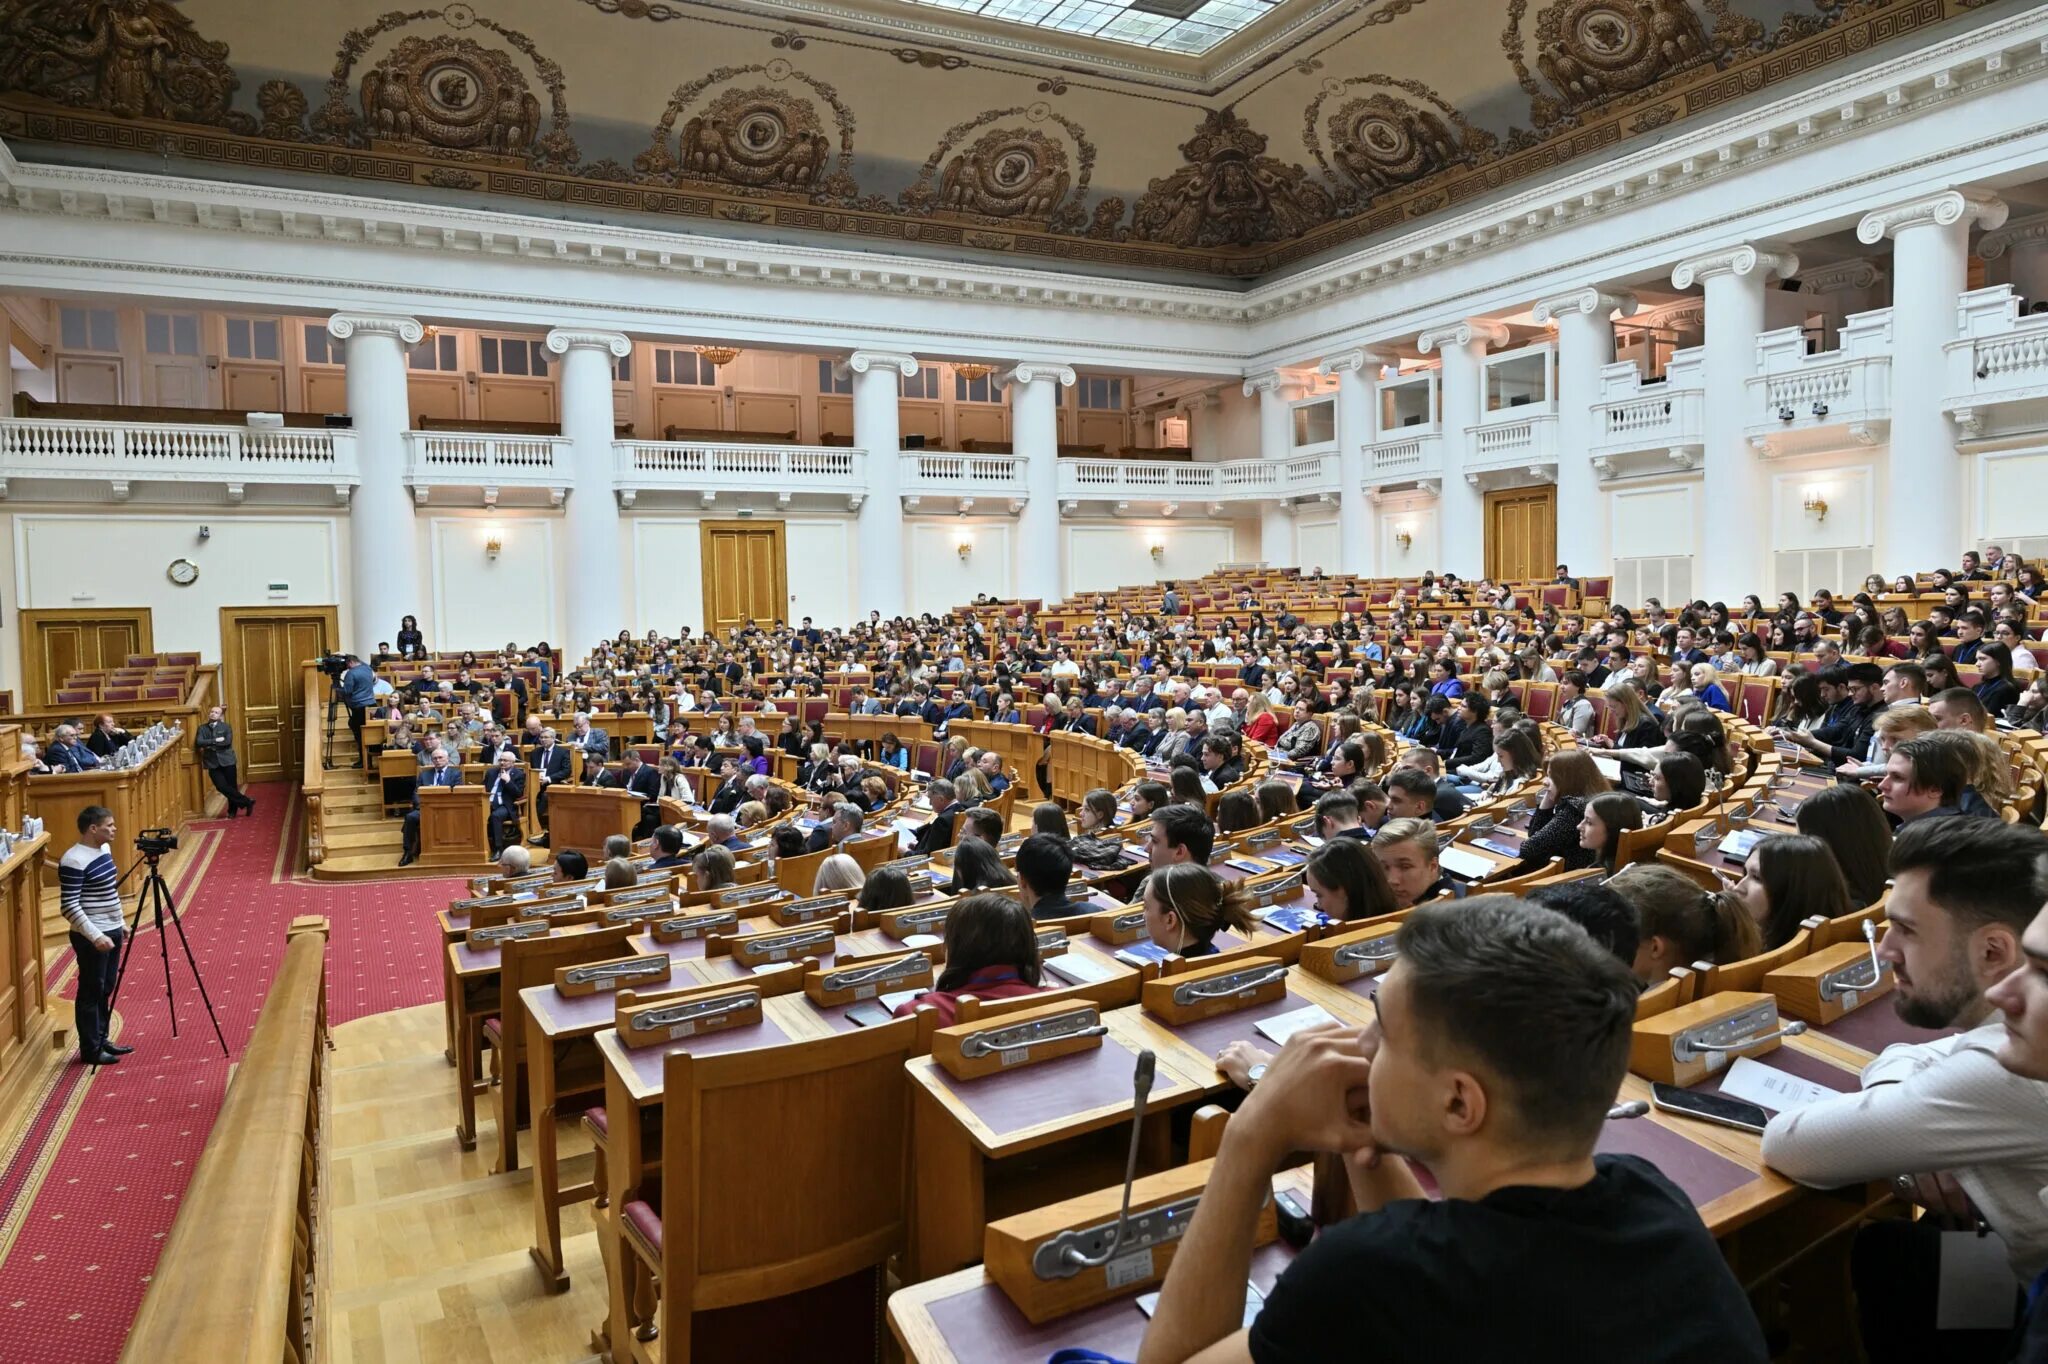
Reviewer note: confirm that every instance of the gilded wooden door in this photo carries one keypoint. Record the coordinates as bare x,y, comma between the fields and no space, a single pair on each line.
56,643
262,650
1521,534
745,573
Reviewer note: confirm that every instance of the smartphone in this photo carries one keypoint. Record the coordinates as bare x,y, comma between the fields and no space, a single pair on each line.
1297,1228
1710,1107
868,1014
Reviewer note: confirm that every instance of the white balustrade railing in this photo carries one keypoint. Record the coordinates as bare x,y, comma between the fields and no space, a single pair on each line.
43,447
1237,479
688,465
1501,444
462,457
1998,369
1310,474
942,472
1800,401
1418,456
1634,416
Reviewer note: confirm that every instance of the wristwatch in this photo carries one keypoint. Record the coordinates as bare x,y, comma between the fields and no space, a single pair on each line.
1254,1075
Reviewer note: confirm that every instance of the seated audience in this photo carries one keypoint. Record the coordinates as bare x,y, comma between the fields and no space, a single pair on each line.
991,953
1678,924
1406,850
838,872
1849,820
1044,868
977,867
1786,879
1187,905
1607,817
1570,779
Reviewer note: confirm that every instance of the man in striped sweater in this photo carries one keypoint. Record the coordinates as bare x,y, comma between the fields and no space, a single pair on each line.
89,893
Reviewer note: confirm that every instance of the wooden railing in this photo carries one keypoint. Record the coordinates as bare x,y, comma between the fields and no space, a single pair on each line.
136,716
235,1284
312,764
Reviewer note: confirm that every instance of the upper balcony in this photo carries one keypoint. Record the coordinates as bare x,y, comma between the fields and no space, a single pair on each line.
1636,422
488,461
1513,443
707,469
1998,370
1171,482
967,479
1405,459
1804,404
123,455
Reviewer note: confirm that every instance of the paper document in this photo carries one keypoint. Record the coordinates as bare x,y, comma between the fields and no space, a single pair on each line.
1610,768
1469,865
1280,1027
1771,1088
892,1000
1077,969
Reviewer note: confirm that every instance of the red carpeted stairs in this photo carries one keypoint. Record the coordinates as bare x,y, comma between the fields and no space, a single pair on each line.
88,1194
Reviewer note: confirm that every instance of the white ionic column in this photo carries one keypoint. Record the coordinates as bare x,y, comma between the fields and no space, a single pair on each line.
1035,439
1461,529
877,429
1276,441
1731,560
1355,371
1585,345
1923,505
593,583
384,558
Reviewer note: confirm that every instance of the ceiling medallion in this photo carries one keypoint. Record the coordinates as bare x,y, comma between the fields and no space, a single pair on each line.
717,356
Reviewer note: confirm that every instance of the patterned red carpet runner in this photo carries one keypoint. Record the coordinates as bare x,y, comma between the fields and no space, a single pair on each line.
89,1190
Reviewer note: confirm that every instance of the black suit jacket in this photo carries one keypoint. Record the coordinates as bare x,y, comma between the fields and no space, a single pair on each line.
506,791
447,776
645,783
820,839
553,764
730,795
938,834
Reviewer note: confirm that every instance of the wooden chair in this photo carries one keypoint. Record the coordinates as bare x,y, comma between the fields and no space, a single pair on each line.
1676,990
1849,927
523,963
731,1230
1748,974
1515,884
1640,845
798,874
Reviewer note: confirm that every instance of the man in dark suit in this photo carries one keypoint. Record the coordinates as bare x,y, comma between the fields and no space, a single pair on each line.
67,754
731,788
946,807
844,822
550,763
644,782
442,773
507,786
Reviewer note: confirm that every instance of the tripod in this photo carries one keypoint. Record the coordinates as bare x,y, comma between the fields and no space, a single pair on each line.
327,762
155,894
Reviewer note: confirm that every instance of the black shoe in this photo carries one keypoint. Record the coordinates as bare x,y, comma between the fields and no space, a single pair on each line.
539,840
105,1058
249,808
406,860
117,1049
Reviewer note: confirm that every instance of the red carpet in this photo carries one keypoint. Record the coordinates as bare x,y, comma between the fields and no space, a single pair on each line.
89,1193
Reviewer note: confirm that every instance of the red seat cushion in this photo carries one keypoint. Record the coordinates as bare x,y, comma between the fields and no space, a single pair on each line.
598,1121
644,1222
493,1029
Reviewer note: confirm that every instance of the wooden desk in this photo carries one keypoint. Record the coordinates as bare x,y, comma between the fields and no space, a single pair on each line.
25,1021
155,795
452,830
583,817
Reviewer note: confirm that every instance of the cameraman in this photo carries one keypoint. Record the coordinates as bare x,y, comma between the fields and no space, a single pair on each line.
358,687
89,894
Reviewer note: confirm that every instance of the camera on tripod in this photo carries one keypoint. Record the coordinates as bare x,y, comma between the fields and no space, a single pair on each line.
334,665
155,842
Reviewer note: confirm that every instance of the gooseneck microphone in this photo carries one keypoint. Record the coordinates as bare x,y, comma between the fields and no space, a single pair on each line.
1141,1085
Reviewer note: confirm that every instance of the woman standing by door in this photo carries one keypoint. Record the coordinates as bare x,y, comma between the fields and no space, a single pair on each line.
216,745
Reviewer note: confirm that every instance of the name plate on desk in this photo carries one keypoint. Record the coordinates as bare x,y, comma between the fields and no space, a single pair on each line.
792,912
695,925
1831,982
907,864
1051,942
486,902
1027,1255
751,897
653,907
779,944
969,1051
598,977
548,909
1252,843
850,984
688,1015
1343,957
1207,991
1689,1043
1119,926
903,923
499,933
653,893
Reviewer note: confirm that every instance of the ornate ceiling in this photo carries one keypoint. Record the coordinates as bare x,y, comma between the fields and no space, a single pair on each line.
1315,127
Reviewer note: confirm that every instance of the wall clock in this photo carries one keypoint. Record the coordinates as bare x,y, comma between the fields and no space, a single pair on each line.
183,572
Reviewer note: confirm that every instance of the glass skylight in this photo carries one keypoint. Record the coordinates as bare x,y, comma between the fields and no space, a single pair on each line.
1207,23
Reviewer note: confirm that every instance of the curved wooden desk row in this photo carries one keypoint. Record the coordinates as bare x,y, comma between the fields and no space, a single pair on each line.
160,794
235,1281
25,1020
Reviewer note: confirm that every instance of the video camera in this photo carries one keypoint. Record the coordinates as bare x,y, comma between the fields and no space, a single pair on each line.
334,665
155,842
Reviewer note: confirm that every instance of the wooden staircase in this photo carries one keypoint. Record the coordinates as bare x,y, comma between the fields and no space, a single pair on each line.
362,842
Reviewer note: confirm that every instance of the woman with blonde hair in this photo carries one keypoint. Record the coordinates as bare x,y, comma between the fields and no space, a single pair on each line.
1260,724
970,787
714,869
749,814
1638,728
1706,685
838,872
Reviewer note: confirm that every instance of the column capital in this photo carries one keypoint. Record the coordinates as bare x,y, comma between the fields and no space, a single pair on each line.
562,340
861,361
1745,259
342,326
1945,209
1030,371
1462,333
1589,302
1992,245
1265,381
1358,360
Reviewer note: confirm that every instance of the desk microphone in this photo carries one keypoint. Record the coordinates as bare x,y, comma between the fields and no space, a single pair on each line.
1141,1085
1792,1029
1633,1108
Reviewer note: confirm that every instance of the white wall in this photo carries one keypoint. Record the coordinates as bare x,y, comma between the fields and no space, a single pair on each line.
2012,501
1101,556
480,602
1315,542
938,579
1228,431
665,581
1414,516
668,574
112,557
822,573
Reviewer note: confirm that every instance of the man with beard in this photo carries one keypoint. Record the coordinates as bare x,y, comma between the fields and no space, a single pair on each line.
1952,1129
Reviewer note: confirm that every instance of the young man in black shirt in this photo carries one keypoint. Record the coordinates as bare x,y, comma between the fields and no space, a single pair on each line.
1502,1039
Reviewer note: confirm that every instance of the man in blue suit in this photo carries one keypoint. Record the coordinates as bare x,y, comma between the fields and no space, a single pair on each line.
67,754
442,773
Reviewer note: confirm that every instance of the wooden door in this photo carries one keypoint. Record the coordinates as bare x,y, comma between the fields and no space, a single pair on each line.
326,390
252,388
515,400
55,643
745,573
692,409
1521,533
88,379
262,649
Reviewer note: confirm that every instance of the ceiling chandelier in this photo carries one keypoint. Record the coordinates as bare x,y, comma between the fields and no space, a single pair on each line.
718,356
971,371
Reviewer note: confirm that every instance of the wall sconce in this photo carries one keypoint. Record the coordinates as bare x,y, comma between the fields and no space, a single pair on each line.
1403,539
493,547
966,547
1158,550
1815,504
